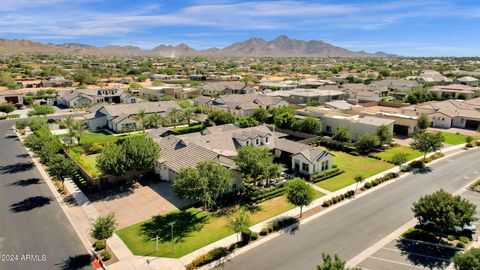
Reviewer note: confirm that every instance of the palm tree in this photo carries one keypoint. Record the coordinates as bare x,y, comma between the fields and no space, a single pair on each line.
68,123
188,114
174,115
142,118
154,120
78,129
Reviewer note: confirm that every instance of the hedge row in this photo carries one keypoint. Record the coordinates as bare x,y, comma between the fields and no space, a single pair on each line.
278,225
380,180
326,174
9,116
209,257
271,192
190,129
338,198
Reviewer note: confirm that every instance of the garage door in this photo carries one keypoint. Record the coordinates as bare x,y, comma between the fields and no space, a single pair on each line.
472,124
400,130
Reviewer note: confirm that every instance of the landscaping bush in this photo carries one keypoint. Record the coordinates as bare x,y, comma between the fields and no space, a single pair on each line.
451,237
95,148
254,236
207,258
246,237
421,235
41,110
460,245
99,245
264,231
265,194
232,247
469,145
464,239
106,255
437,155
9,116
22,124
417,164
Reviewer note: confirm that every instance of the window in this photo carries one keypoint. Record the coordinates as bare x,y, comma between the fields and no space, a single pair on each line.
247,142
328,128
266,139
313,167
305,167
257,141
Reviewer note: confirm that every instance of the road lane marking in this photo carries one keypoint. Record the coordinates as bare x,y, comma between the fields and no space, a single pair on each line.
390,261
417,254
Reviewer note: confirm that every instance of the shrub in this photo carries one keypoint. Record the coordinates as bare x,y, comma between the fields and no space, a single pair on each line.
232,247
22,124
41,110
460,245
326,203
264,231
99,245
95,148
254,236
106,255
209,257
246,236
451,237
326,174
417,164
368,185
464,239
418,234
469,145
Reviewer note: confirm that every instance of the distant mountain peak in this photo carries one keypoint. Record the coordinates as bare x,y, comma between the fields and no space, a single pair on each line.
281,46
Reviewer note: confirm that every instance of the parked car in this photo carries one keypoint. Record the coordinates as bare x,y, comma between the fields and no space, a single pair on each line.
468,228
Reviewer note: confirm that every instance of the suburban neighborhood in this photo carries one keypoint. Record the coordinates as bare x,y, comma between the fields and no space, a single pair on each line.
277,153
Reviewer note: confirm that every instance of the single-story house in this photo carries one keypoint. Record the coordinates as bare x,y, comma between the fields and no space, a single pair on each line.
221,144
303,96
88,97
468,80
453,91
122,117
9,97
56,82
225,87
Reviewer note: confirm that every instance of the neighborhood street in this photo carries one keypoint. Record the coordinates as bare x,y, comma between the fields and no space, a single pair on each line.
354,227
34,231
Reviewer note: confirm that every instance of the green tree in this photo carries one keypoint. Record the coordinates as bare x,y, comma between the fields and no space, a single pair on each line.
248,121
284,120
7,80
334,263
399,158
154,120
367,142
468,260
358,179
112,160
384,134
444,211
308,125
142,118
78,129
300,193
103,227
342,135
261,115
60,167
221,118
254,162
141,153
239,222
423,122
83,77
188,115
427,142
7,108
204,183
174,116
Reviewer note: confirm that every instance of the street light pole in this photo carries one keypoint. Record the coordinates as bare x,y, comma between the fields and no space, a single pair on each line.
156,239
171,225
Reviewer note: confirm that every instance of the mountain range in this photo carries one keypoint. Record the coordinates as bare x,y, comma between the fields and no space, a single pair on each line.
282,46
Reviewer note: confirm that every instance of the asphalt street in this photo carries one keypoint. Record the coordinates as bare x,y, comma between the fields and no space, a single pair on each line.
354,227
34,231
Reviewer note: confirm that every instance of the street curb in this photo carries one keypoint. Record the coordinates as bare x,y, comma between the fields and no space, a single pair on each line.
85,242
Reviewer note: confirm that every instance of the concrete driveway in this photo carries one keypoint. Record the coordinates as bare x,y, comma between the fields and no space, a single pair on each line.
133,206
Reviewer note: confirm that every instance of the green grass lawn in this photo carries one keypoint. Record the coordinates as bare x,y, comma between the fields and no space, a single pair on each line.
390,152
89,163
193,229
352,165
454,139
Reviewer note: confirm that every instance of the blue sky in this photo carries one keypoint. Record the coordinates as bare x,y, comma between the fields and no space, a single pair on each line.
406,27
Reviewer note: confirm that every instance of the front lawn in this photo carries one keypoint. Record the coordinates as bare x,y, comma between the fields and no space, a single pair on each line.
193,229
388,154
352,165
454,139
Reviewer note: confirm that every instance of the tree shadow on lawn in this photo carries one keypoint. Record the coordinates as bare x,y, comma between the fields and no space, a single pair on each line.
26,182
186,222
16,168
30,204
428,256
76,262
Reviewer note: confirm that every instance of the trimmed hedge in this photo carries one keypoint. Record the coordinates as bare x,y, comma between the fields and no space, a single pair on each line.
326,174
9,116
262,195
338,198
421,235
380,180
209,257
190,129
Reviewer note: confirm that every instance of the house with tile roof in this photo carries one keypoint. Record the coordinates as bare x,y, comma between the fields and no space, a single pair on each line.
87,97
221,143
449,113
122,117
454,91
